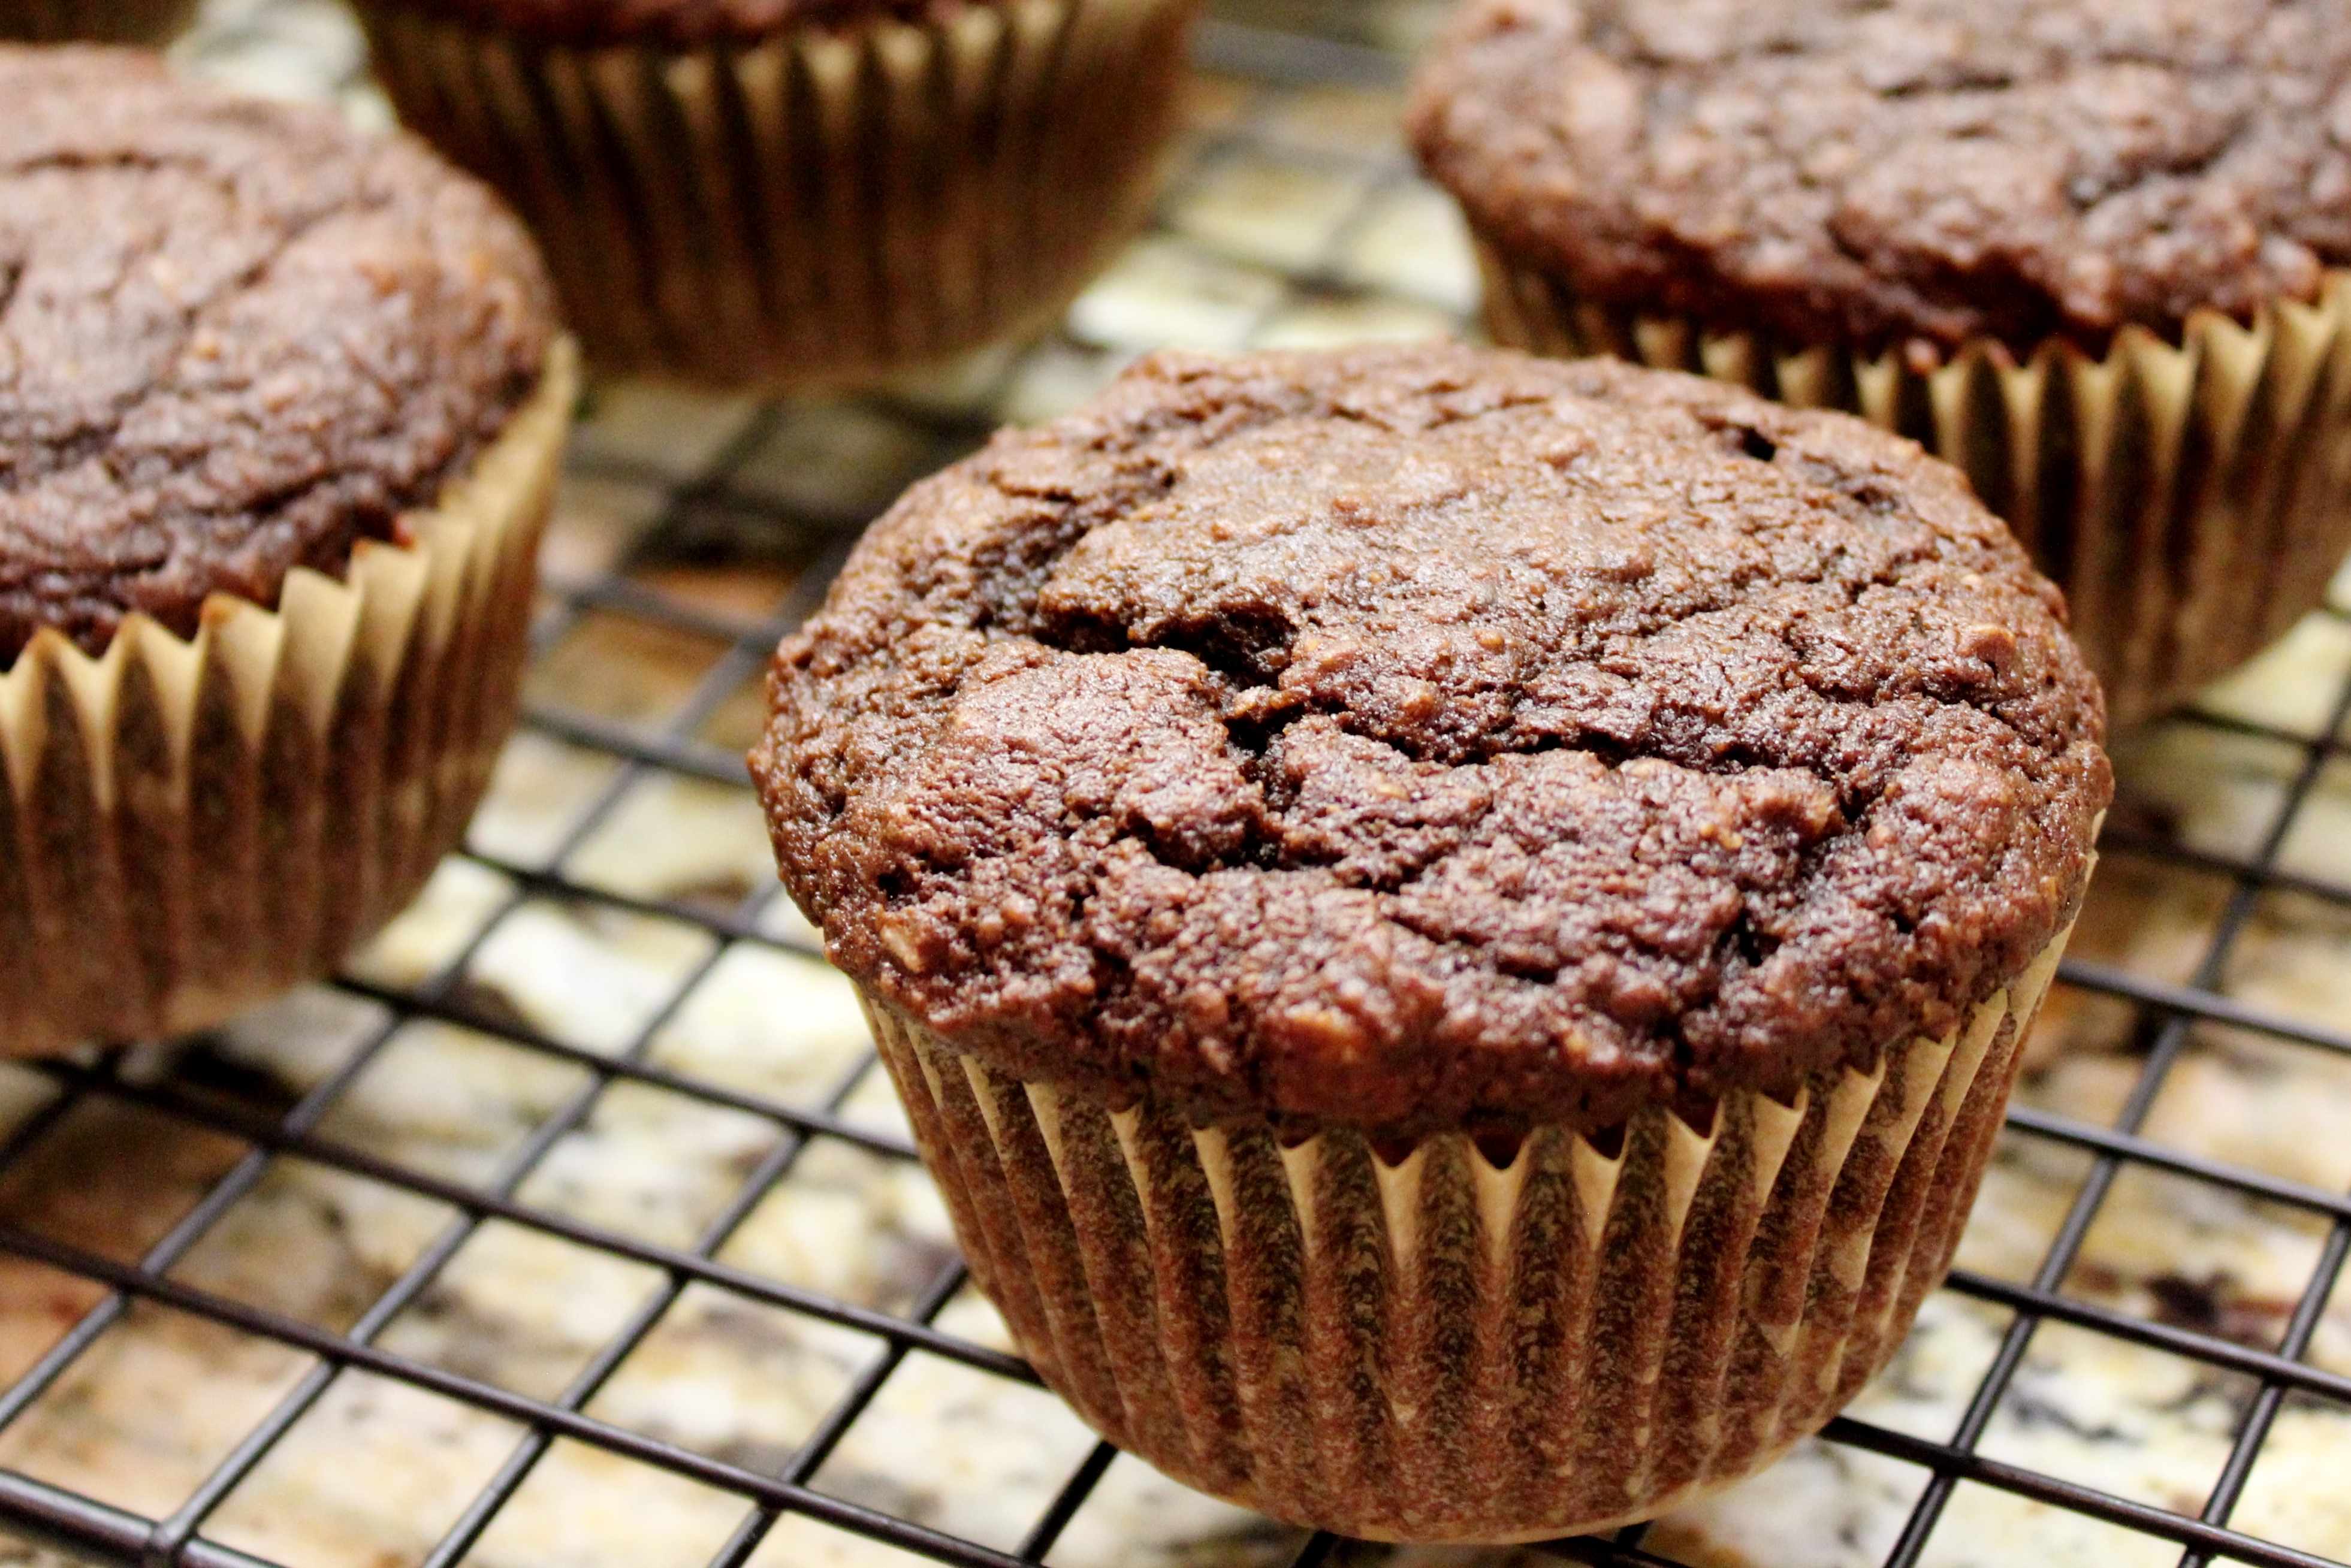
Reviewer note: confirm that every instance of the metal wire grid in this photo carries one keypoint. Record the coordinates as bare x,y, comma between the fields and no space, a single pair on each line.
717,499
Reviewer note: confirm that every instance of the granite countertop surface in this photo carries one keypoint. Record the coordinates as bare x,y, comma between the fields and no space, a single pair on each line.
1290,217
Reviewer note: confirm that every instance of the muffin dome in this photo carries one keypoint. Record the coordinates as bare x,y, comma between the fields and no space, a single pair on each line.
1865,172
235,337
1418,737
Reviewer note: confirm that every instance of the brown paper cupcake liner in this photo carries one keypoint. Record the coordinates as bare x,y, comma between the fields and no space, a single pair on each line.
98,21
827,208
1443,1350
190,827
2192,501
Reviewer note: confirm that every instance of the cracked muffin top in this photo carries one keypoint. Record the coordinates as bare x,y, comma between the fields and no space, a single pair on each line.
1870,172
235,337
1423,737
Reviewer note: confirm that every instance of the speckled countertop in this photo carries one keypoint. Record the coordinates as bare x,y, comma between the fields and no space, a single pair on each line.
1290,217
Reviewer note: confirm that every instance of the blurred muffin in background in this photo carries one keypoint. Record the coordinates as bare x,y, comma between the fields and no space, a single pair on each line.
786,195
2092,254
280,409
96,21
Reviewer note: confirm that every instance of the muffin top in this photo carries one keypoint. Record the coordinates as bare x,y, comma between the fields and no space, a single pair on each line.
1874,172
677,24
234,336
1415,738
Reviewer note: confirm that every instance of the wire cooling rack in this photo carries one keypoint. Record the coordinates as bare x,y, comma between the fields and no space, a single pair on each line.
695,533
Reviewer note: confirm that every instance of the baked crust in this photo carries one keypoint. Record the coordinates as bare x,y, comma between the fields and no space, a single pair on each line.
1864,172
1424,738
235,338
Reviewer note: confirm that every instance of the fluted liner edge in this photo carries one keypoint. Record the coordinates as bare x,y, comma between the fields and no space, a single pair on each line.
1441,1349
824,207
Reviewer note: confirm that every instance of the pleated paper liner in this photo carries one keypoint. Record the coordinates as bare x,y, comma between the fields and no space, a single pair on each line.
2192,501
1442,1351
831,206
188,827
153,22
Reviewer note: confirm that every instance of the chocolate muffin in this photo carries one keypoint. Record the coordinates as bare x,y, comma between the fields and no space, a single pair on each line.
278,418
2091,253
1455,928
796,193
96,21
